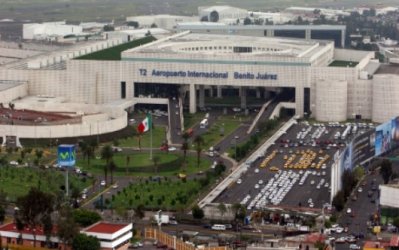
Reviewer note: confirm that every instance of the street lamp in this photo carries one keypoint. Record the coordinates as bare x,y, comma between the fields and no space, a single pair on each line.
159,220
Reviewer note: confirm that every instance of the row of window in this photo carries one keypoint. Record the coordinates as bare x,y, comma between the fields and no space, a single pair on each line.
227,48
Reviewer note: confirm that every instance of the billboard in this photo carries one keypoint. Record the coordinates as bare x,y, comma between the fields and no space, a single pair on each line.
346,158
383,138
66,155
363,147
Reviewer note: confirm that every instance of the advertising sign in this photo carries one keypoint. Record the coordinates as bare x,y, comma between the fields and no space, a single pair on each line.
363,147
346,158
383,137
66,155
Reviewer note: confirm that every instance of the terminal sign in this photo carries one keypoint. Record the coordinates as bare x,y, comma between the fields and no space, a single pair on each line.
212,74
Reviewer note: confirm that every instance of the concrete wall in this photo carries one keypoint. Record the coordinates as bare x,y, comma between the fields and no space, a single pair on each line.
385,103
389,196
331,100
13,93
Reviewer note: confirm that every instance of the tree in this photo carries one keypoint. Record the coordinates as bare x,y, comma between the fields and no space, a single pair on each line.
155,160
348,182
396,222
67,229
108,28
199,141
47,226
247,21
214,16
139,211
197,212
2,214
112,167
127,164
184,147
339,201
106,154
154,25
33,207
85,217
222,209
133,23
386,170
358,173
85,242
204,19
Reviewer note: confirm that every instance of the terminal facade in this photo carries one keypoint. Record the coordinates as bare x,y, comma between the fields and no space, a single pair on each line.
204,64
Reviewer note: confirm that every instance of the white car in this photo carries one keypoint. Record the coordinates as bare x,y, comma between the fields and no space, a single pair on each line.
13,163
360,189
239,181
170,149
354,246
84,196
339,230
115,186
349,210
102,183
256,170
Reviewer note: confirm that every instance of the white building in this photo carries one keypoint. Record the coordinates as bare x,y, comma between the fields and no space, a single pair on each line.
111,236
223,12
48,30
328,83
388,195
168,22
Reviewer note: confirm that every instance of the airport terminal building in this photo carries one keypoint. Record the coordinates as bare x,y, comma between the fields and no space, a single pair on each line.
327,83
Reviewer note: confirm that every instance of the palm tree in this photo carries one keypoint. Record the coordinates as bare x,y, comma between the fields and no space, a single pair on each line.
112,167
184,147
106,154
127,164
156,159
199,141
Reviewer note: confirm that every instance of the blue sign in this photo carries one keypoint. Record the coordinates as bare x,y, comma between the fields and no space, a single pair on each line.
212,74
66,155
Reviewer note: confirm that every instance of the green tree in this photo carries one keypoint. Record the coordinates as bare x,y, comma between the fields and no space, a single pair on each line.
139,211
133,23
155,160
108,28
396,222
85,242
214,16
85,217
67,229
339,201
112,167
247,21
386,170
33,207
358,172
2,214
197,212
107,154
222,209
199,141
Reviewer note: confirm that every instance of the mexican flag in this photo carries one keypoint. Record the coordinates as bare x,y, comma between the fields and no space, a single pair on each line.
145,125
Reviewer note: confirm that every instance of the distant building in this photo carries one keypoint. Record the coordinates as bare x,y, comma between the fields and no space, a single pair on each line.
389,194
160,21
223,12
43,31
127,35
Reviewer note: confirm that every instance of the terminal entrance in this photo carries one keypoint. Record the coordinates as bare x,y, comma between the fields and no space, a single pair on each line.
156,90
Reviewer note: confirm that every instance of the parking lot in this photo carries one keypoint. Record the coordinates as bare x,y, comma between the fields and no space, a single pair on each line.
296,170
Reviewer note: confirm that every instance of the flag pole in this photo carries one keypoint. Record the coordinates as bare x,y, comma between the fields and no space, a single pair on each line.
151,136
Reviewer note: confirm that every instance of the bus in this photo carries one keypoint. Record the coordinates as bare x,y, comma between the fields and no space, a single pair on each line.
204,123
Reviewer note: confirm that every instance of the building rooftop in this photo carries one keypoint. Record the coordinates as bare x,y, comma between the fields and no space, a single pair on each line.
222,45
105,228
388,69
11,227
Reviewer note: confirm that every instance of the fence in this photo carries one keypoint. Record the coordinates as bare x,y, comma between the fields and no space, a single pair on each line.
172,241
